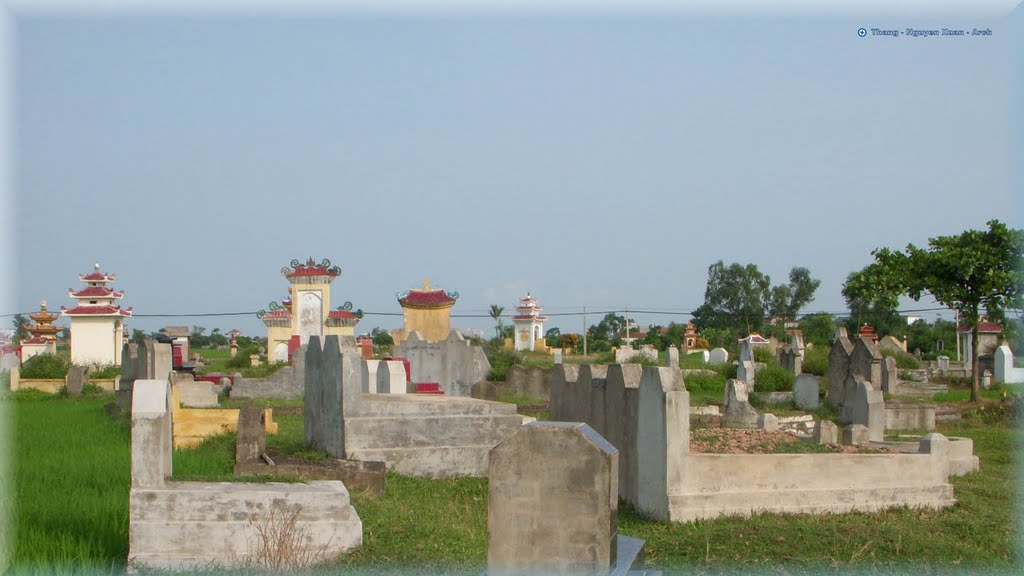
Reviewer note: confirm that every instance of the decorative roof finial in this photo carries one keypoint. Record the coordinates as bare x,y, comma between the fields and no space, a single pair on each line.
426,284
42,303
96,266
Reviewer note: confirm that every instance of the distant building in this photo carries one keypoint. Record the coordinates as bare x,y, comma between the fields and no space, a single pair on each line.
988,339
43,338
97,323
529,325
288,328
426,311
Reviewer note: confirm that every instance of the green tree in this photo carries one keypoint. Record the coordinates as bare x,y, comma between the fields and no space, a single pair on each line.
818,328
138,335
381,337
601,336
496,315
974,270
20,328
734,298
873,293
553,337
786,300
218,339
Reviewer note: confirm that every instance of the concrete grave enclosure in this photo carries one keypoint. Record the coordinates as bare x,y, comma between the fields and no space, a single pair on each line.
422,435
453,363
186,525
645,414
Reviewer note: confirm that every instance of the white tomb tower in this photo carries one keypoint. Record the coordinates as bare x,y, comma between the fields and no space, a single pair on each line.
529,324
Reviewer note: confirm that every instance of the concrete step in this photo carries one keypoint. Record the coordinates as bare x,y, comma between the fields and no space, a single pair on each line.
426,431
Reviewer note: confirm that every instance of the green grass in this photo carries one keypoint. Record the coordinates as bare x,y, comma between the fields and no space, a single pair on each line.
72,476
513,398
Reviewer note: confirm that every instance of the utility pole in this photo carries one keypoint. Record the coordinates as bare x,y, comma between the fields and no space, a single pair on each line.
584,329
957,332
627,322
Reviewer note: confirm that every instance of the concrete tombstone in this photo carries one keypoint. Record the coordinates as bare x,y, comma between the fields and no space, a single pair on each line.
718,356
738,412
805,391
869,410
838,368
826,432
552,501
672,356
251,442
856,435
78,376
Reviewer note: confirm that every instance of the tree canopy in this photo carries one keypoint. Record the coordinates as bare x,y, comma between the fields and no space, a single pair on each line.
738,298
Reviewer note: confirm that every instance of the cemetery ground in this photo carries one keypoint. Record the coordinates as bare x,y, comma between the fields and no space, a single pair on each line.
71,479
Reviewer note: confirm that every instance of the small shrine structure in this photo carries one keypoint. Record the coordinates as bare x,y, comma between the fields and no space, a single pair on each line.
96,322
529,325
43,338
427,311
306,311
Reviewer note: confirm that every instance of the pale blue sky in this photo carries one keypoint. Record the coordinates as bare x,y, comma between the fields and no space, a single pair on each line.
597,159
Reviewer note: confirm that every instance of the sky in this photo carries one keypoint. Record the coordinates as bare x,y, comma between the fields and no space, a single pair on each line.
595,154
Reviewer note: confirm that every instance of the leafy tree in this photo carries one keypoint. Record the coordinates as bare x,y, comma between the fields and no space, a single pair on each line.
381,337
218,339
973,270
552,337
818,328
601,336
738,298
20,328
873,294
496,315
138,335
786,300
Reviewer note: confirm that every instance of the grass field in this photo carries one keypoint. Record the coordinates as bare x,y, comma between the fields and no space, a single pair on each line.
72,477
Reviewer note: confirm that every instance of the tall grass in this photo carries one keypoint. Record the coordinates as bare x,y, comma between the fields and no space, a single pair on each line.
71,471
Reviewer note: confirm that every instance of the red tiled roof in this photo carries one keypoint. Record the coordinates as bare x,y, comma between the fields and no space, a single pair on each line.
340,314
983,327
426,298
95,291
36,340
311,268
96,277
755,339
96,310
279,313
528,317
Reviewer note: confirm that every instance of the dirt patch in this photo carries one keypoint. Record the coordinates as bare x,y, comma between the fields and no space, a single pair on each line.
739,441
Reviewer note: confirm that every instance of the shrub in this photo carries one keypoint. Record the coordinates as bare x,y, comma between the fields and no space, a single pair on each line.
773,378
904,361
705,383
641,359
500,361
241,359
691,360
104,372
763,354
45,366
606,357
727,370
263,370
816,360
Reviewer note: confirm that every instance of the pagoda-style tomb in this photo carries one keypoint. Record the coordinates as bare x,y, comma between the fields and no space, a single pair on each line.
289,327
529,325
426,311
97,322
44,334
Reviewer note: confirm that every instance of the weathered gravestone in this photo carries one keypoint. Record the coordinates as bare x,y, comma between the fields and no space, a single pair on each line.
738,411
838,368
78,377
552,503
672,356
889,375
866,361
826,432
368,369
790,359
250,447
745,371
856,435
768,422
869,410
718,356
391,377
805,391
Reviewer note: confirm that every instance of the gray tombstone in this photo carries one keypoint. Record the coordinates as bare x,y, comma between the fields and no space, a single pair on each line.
805,391
251,442
746,371
718,356
78,376
826,432
313,392
838,368
672,356
889,375
558,355
768,422
866,361
738,411
552,501
869,410
856,435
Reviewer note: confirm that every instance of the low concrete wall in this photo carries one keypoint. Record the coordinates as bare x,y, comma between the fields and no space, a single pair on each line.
532,381
190,525
186,525
663,480
48,385
910,417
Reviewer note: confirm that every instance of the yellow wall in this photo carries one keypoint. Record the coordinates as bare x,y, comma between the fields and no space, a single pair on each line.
433,324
